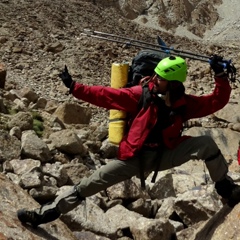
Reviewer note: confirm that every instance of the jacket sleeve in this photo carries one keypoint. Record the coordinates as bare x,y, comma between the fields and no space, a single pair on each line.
200,106
125,99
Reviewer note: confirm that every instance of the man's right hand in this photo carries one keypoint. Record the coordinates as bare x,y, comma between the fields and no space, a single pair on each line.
215,63
66,77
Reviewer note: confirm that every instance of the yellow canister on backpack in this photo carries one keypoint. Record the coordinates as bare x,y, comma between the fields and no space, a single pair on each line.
117,119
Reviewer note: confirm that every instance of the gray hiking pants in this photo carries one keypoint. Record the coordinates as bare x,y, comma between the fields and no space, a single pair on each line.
201,148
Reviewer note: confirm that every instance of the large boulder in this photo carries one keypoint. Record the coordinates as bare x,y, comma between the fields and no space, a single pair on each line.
73,113
13,198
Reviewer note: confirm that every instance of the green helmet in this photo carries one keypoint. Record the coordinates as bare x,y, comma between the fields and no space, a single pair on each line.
172,68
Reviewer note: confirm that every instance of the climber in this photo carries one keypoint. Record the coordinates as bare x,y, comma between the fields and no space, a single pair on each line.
154,139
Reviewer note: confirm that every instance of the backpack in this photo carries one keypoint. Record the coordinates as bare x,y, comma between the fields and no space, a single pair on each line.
143,64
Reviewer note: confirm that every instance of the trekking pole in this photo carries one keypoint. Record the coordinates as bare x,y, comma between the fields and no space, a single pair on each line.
138,43
227,64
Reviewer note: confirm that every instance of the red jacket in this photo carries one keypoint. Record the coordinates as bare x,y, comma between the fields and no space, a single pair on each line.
127,99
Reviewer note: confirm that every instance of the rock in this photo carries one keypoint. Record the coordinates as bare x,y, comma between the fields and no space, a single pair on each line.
43,194
16,131
86,235
196,205
3,108
92,218
14,198
55,47
108,149
141,206
226,139
41,103
10,146
67,141
72,113
57,171
23,120
178,226
154,229
20,167
222,224
124,190
31,179
34,147
3,75
229,113
29,94
76,171
163,187
21,104
166,209
189,176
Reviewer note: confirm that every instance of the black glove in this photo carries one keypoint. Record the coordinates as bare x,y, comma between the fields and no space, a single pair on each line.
66,78
215,63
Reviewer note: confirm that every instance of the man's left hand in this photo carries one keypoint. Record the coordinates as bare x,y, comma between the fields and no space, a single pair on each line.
66,77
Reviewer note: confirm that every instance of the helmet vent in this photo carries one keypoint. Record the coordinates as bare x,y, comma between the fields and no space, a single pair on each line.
172,58
172,68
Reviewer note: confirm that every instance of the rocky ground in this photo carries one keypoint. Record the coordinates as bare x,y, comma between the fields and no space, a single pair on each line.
42,37
36,40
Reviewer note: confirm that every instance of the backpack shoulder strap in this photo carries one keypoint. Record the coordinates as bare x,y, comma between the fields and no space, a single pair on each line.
145,97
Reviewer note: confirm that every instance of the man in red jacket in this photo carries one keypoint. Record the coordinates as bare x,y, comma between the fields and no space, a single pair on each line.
153,140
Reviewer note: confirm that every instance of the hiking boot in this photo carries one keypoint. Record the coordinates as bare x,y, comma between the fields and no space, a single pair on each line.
31,217
234,199
35,219
229,191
